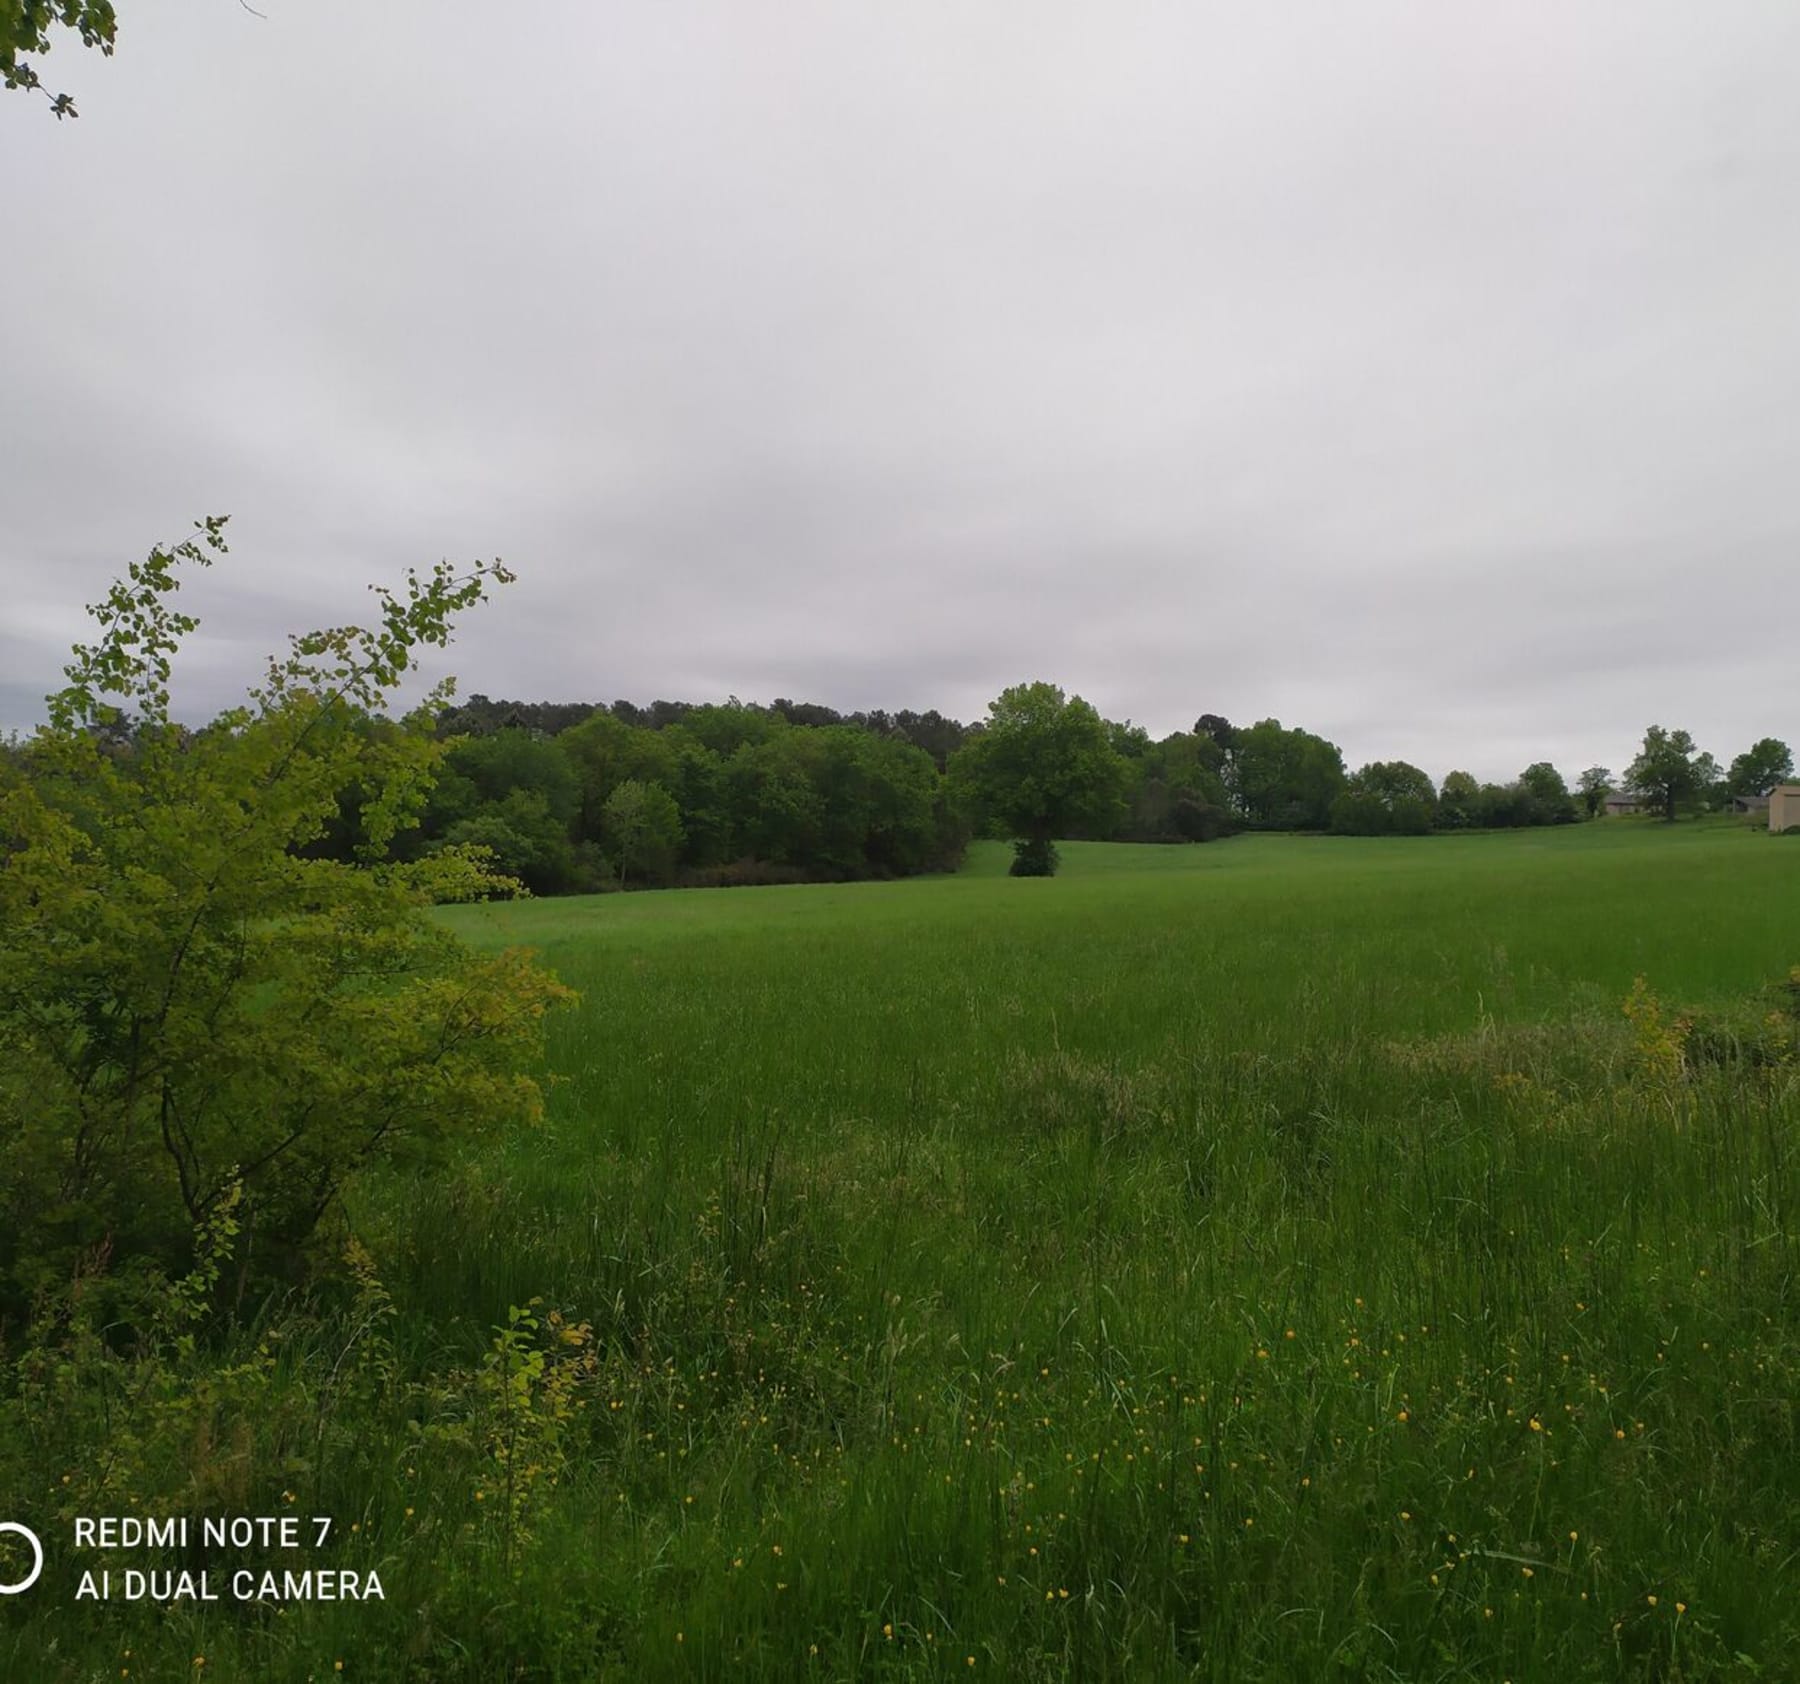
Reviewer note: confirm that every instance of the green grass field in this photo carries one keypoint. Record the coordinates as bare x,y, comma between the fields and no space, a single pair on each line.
1281,1259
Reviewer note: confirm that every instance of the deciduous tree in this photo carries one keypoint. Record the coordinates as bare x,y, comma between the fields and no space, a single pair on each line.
1284,779
190,1010
1458,801
1546,787
1387,797
1043,767
1764,763
640,827
1670,771
1595,785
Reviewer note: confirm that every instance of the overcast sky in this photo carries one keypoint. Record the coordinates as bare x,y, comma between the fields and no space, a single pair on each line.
1424,374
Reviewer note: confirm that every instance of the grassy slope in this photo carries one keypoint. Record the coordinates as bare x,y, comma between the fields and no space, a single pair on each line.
1268,1260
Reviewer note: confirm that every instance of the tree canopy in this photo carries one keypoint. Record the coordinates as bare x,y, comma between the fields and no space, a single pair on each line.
1282,778
1546,786
1387,797
1595,785
1765,763
1043,767
642,826
1670,771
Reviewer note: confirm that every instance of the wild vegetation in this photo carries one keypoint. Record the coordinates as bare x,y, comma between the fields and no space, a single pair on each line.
1330,1255
1315,1255
1301,1258
737,793
194,1017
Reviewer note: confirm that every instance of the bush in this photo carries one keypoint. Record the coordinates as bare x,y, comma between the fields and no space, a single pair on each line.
1035,856
191,1011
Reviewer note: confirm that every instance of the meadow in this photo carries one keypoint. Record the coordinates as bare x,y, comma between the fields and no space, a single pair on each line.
1287,1258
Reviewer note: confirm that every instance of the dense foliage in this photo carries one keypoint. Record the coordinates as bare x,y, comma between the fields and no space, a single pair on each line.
728,794
1043,767
1538,796
576,797
1761,766
194,1014
1671,773
1387,797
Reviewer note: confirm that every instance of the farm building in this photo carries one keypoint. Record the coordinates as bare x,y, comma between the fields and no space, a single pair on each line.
1620,802
1784,807
1750,803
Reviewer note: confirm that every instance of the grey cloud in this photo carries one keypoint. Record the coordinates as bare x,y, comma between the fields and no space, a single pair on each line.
1422,375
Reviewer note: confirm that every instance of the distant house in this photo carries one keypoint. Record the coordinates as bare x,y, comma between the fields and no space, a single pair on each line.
1621,802
1784,807
1750,803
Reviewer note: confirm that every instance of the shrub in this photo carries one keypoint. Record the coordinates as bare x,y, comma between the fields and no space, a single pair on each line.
189,1009
1035,856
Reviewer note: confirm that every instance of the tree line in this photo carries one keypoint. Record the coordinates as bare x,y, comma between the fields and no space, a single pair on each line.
572,797
707,794
580,797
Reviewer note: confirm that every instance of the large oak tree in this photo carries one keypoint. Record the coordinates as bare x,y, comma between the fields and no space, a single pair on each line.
1670,771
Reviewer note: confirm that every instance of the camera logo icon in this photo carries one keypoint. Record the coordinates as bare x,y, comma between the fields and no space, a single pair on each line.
37,1551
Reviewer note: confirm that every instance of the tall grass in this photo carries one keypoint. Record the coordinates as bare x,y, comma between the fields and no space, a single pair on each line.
1280,1259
